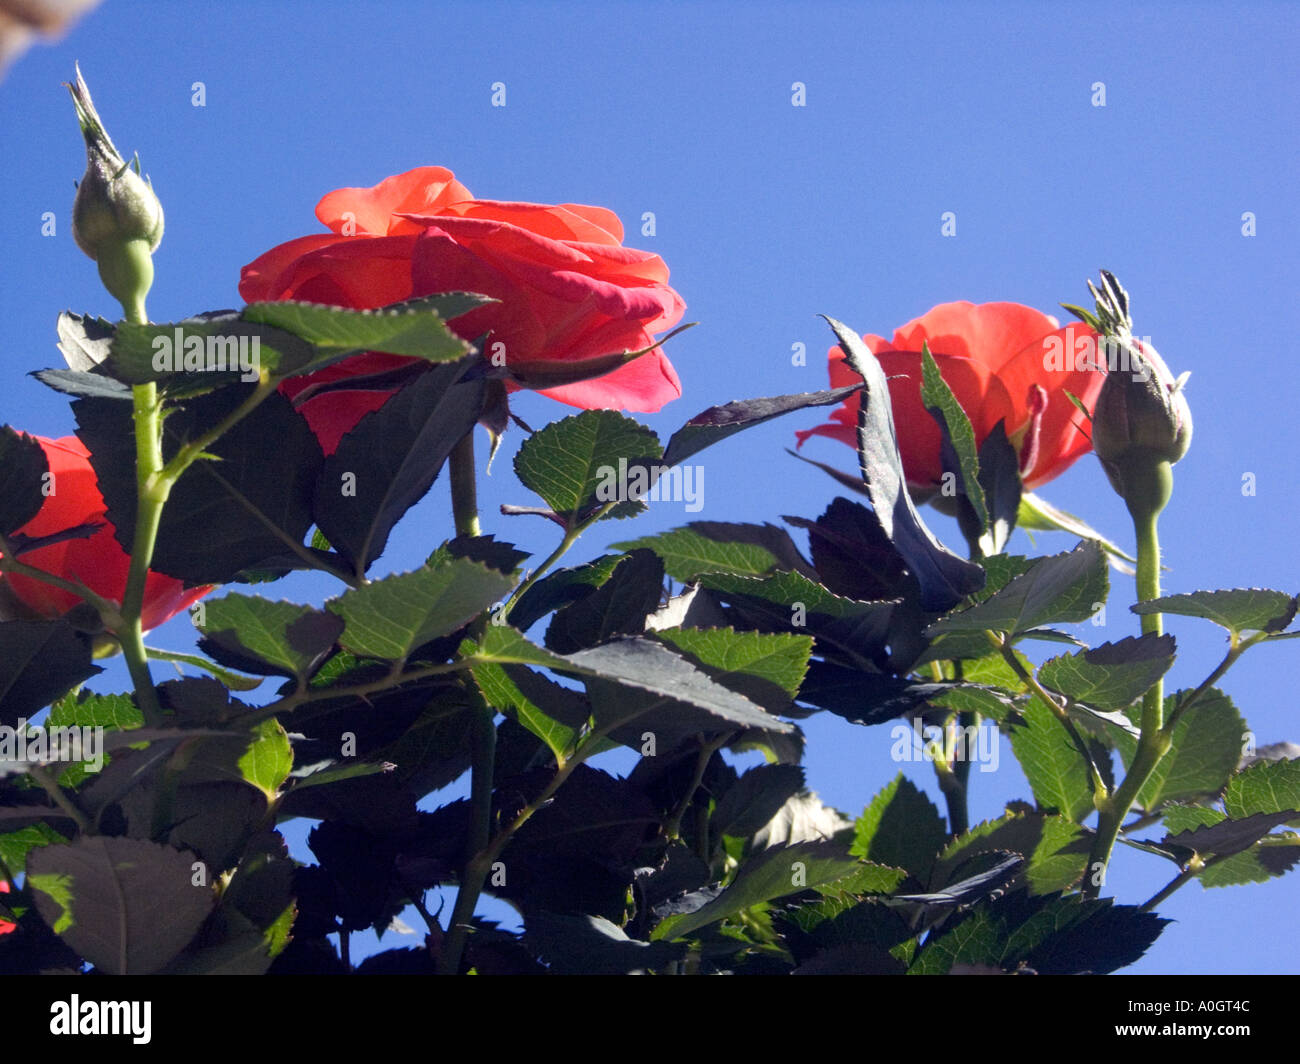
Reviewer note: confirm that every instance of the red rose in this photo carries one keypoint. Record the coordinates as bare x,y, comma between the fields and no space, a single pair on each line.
97,562
568,289
1004,362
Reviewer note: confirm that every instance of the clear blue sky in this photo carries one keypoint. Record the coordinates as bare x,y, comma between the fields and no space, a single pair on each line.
767,214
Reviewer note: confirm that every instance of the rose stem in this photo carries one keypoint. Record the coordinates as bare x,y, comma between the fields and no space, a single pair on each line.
1155,740
464,491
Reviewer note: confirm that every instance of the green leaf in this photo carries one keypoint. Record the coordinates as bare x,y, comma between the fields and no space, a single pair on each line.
754,799
269,758
390,459
1055,848
234,680
867,878
561,587
1036,514
900,828
1179,817
554,714
996,872
204,352
1061,588
766,667
567,462
721,547
1051,935
84,385
1113,675
944,578
1270,857
794,590
84,342
773,873
494,553
15,845
1056,770
972,699
1264,787
128,906
792,601
681,696
251,502
260,756
1239,610
719,422
504,645
618,607
1000,480
23,469
1205,750
851,555
389,618
39,661
642,681
414,329
942,405
86,710
592,945
258,635
1228,837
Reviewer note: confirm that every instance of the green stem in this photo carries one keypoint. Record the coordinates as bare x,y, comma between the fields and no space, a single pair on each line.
1003,644
51,787
1148,588
464,489
1194,868
1236,647
476,868
673,825
186,455
1155,740
151,494
957,795
570,538
393,678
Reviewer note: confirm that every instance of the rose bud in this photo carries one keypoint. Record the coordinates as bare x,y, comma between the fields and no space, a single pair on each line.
1142,423
116,218
1142,408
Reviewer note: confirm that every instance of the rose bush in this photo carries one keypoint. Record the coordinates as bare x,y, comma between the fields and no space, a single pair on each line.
98,562
568,289
1004,362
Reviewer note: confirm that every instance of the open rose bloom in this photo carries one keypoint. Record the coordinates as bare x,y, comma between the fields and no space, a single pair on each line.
1004,362
567,288
97,562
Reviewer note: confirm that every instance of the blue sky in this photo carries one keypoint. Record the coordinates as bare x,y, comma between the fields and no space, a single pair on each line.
767,214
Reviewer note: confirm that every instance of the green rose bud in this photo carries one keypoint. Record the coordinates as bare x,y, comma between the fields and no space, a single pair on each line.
1142,424
1142,406
116,218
